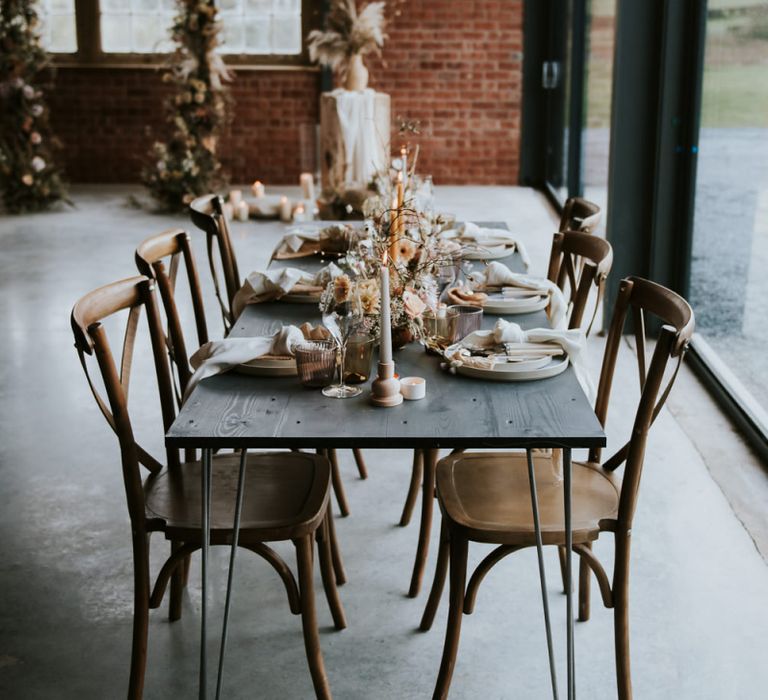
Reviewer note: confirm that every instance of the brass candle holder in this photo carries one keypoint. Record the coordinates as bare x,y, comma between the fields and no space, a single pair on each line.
385,389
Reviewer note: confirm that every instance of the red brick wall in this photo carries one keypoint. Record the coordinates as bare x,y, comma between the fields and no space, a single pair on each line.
453,64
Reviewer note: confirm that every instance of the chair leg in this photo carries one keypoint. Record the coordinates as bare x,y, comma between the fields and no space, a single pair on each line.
438,583
185,569
338,562
458,554
561,551
427,507
308,619
140,615
328,575
585,581
338,484
417,473
621,616
177,588
360,462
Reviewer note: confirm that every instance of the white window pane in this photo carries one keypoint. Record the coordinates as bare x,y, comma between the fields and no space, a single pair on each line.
258,7
63,34
257,35
148,33
116,33
233,38
57,25
112,6
129,30
286,7
146,5
286,34
227,6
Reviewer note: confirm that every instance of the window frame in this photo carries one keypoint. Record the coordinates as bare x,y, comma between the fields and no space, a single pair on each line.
89,53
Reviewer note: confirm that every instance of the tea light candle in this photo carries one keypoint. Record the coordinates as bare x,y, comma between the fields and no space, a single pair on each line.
413,388
241,211
307,182
284,209
235,197
258,189
299,213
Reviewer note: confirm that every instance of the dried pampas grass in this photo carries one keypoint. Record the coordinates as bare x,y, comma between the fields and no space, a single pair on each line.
348,33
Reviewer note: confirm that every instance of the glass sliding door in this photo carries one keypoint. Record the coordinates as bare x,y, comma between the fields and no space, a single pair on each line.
601,39
579,79
729,265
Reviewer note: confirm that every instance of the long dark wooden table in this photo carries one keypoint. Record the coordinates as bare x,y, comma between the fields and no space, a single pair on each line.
239,411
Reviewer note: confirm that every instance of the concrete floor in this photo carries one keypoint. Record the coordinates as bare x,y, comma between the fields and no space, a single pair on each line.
699,584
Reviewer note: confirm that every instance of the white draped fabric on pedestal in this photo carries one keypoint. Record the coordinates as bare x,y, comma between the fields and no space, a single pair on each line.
364,147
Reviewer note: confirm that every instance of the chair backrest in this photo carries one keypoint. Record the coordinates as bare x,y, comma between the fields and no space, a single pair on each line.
579,214
174,245
578,262
207,214
638,297
133,294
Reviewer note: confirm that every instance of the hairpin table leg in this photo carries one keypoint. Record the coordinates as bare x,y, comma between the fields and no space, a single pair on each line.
567,486
230,576
205,502
542,574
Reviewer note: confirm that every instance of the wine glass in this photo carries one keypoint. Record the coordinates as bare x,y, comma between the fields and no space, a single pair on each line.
343,321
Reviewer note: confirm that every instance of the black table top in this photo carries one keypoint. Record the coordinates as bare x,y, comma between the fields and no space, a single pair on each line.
234,411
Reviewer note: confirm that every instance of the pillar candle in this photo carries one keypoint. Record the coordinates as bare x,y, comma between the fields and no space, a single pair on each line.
385,322
241,211
299,213
394,227
235,197
285,209
307,186
258,189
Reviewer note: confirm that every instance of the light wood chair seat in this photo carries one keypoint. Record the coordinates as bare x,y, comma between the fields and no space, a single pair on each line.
285,498
488,496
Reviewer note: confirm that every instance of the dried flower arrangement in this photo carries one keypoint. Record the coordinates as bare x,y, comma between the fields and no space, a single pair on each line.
31,180
186,165
348,35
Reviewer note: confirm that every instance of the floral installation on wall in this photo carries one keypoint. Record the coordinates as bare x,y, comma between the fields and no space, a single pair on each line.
31,179
186,165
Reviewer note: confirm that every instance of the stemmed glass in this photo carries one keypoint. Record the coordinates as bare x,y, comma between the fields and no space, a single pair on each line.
343,322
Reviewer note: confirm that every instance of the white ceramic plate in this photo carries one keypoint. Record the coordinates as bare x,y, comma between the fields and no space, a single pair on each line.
269,367
498,304
518,371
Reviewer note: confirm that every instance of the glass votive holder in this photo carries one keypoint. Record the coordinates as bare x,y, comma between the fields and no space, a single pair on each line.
439,327
467,320
316,362
357,362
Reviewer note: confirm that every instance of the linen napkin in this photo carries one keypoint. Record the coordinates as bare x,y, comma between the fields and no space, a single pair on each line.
217,356
490,237
273,284
572,342
300,241
497,274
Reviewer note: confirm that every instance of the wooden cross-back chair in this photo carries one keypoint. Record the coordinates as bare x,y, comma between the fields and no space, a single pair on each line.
485,497
173,247
579,214
578,263
285,497
207,214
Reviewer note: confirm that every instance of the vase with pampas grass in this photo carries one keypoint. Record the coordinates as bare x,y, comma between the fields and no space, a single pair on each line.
349,35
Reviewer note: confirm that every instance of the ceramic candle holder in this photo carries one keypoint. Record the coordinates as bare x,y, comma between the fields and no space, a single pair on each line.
413,388
385,389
